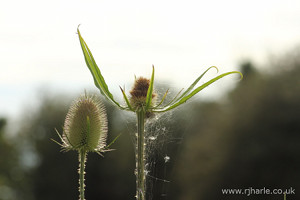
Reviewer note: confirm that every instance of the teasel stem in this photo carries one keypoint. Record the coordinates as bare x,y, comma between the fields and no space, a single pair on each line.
140,162
82,160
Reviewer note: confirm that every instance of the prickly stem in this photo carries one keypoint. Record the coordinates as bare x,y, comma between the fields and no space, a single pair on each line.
140,159
82,160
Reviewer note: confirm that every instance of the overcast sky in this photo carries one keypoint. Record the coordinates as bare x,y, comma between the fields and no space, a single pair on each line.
39,46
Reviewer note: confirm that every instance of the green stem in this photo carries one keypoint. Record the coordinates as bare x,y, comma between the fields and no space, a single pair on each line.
82,159
140,162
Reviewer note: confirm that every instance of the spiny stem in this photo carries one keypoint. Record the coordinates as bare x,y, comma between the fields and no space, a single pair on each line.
140,162
82,159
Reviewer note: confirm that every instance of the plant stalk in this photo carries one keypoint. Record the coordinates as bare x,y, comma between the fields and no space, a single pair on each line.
140,158
82,159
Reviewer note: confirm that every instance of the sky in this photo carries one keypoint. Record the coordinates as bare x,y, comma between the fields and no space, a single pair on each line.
39,47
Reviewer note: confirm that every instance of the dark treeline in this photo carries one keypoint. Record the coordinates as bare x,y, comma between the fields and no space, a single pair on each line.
248,139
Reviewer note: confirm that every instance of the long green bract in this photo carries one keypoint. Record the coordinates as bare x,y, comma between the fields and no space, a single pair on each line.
185,93
194,92
195,82
126,100
98,78
150,90
162,100
174,98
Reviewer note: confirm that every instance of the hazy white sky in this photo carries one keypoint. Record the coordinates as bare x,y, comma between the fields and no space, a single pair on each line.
39,47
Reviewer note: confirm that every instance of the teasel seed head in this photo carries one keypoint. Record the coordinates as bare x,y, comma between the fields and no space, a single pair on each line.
139,93
85,126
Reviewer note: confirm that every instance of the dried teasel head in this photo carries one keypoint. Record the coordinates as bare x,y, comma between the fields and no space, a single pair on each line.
139,93
85,126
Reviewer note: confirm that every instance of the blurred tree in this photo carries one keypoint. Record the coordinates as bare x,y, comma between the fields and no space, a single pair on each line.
251,140
12,177
6,151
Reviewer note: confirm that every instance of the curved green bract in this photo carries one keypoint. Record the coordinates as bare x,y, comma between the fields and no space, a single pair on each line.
183,99
196,81
98,78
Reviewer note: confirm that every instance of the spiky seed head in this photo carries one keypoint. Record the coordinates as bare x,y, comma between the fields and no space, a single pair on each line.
139,93
85,125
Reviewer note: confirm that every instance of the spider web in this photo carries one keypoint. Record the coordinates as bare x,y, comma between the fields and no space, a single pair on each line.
158,139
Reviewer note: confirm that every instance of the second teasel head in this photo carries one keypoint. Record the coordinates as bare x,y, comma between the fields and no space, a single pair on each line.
85,125
139,93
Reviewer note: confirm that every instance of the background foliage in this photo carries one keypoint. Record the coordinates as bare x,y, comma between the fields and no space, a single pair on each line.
250,138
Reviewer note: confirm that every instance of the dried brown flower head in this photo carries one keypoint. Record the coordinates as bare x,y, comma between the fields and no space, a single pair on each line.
139,93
